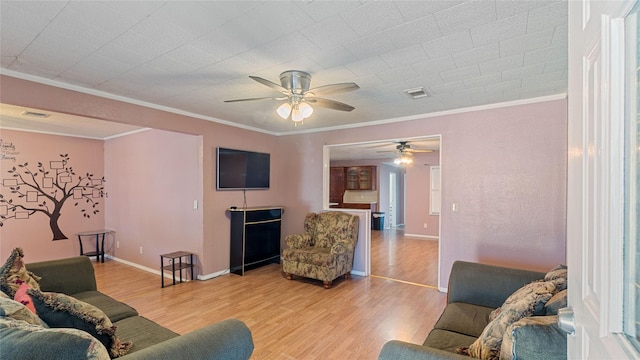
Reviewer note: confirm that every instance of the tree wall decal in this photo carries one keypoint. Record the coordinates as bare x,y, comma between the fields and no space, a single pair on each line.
46,190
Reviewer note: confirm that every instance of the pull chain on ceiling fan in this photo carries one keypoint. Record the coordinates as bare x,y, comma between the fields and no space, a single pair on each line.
298,95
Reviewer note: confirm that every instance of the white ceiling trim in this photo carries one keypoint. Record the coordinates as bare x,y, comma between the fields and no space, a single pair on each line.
294,132
51,133
436,114
106,95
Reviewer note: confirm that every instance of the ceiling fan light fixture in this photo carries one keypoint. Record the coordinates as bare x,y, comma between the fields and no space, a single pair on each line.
284,110
296,114
403,159
306,109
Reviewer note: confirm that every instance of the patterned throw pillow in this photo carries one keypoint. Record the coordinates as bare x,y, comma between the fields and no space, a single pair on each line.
526,301
13,273
18,339
15,310
557,302
559,276
64,311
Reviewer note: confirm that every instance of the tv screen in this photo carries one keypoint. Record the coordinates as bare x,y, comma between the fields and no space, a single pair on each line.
239,169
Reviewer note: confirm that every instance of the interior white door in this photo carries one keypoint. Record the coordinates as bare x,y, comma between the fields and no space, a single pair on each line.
595,178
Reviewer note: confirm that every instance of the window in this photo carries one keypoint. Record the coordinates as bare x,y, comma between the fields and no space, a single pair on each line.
434,205
632,181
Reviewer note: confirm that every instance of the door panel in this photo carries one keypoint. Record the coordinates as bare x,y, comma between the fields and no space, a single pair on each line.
595,173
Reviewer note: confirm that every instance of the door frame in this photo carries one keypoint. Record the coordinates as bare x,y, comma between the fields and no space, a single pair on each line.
326,165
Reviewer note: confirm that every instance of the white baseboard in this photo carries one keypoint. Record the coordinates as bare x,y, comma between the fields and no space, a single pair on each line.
214,275
358,273
138,266
430,237
165,274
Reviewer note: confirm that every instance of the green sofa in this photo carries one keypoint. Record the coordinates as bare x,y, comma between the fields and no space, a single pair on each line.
474,291
228,339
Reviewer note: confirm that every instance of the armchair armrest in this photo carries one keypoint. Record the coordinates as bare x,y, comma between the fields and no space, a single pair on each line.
298,241
486,285
341,247
229,339
396,350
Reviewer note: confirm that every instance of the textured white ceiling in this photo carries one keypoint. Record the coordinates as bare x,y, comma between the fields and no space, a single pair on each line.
191,56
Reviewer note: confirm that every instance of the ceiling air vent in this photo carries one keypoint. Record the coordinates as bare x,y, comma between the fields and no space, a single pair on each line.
34,114
417,93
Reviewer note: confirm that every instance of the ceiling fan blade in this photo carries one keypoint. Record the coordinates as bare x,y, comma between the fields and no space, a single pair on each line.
270,84
330,104
334,88
260,98
420,150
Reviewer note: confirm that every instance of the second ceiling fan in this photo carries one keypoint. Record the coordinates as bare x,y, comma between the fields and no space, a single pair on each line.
404,153
295,89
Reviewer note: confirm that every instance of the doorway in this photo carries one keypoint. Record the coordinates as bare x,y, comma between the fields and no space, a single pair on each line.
402,250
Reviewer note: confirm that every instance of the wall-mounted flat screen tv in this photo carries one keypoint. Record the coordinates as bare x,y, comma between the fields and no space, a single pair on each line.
241,170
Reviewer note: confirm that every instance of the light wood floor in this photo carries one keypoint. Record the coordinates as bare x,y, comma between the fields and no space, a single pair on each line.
296,319
411,259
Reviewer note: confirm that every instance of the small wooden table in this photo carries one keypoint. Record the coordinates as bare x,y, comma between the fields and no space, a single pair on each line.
99,235
173,267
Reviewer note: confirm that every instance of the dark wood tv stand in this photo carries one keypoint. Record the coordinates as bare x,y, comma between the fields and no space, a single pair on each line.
255,237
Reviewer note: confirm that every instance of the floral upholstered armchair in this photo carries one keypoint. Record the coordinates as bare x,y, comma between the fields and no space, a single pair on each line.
325,250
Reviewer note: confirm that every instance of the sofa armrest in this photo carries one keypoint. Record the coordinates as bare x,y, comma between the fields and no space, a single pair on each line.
535,338
69,276
486,285
298,241
400,350
229,339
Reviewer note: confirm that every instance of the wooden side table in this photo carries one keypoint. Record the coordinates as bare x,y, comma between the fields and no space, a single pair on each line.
99,235
173,267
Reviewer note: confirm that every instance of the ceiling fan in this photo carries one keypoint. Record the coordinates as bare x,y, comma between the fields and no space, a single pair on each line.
404,153
295,90
405,147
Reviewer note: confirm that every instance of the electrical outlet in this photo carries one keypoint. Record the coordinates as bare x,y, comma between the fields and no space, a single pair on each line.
140,249
425,225
170,261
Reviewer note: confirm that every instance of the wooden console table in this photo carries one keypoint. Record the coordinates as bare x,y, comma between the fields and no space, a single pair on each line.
255,237
99,235
173,267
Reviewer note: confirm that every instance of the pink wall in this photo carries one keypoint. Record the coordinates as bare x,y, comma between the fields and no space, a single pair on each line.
215,241
155,178
34,234
506,169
